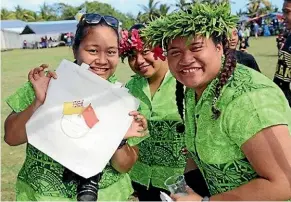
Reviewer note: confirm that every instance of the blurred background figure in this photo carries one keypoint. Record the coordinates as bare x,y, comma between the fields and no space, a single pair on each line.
241,56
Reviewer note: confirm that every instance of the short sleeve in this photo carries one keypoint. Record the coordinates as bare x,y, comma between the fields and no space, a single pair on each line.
137,140
254,111
134,140
22,98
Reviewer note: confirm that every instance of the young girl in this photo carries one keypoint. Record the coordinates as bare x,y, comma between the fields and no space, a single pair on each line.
160,154
243,46
238,121
42,178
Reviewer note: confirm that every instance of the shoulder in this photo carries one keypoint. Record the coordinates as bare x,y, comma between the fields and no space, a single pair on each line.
242,74
247,60
247,56
246,80
135,81
249,89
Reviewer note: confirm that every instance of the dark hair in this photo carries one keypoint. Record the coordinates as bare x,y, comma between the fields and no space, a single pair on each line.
180,102
137,26
228,69
83,29
131,53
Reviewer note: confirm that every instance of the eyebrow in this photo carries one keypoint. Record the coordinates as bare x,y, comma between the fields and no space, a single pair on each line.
173,48
192,44
99,46
196,43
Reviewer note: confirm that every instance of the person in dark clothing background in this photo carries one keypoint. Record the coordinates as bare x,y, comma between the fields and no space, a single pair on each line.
242,57
283,72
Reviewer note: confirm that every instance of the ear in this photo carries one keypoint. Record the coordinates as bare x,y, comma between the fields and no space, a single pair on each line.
219,48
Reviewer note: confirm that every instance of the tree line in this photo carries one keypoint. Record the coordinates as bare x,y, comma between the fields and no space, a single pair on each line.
153,9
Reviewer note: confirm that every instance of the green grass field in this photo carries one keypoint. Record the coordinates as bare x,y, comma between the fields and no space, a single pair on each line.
17,63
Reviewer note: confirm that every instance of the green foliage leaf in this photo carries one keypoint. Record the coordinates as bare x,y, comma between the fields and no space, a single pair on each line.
200,18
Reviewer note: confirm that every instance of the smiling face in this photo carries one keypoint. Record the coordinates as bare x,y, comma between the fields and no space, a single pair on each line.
99,49
144,63
194,64
233,40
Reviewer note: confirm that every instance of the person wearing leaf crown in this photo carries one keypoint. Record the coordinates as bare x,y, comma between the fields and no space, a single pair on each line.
238,122
41,178
160,154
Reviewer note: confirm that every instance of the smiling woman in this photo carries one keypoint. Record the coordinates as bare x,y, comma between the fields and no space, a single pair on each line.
41,177
98,47
236,118
160,154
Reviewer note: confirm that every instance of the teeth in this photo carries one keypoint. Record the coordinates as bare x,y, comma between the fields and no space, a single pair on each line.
143,68
102,70
189,70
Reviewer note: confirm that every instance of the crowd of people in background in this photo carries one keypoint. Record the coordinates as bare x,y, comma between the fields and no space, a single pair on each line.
49,42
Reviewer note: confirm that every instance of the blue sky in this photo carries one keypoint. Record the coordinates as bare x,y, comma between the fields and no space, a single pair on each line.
126,6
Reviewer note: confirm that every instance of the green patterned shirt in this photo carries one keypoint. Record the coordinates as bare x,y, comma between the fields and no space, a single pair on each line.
160,153
41,178
249,103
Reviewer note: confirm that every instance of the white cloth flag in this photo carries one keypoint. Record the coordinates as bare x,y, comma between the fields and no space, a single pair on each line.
61,129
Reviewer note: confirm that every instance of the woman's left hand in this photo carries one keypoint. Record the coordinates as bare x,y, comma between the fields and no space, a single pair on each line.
138,125
192,196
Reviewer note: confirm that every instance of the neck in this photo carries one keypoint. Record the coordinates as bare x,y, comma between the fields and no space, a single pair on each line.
199,92
159,76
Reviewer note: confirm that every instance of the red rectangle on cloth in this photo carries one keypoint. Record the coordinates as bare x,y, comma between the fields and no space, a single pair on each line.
90,116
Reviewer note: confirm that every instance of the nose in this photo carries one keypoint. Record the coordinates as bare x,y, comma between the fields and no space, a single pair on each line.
139,59
187,59
101,59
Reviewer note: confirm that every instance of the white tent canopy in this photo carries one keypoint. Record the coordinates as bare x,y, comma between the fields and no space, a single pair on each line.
10,30
10,39
14,32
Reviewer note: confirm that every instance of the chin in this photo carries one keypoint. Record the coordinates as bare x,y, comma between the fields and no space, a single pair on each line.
147,75
104,76
191,83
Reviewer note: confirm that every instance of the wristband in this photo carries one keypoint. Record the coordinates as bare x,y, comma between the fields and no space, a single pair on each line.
122,143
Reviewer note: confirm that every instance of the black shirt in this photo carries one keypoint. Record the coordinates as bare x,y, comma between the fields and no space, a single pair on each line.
247,60
283,71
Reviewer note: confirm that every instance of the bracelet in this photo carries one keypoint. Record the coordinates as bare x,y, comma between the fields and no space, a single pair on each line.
205,198
122,143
